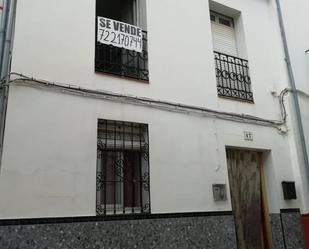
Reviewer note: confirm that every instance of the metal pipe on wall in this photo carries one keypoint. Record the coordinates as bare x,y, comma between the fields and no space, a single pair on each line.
3,20
6,37
293,89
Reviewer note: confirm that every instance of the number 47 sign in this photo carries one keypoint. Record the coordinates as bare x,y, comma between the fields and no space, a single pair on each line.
119,34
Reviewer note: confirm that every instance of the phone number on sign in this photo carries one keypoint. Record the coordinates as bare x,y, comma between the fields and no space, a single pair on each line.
119,39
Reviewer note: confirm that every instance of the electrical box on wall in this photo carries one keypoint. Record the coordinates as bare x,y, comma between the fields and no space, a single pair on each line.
219,192
289,190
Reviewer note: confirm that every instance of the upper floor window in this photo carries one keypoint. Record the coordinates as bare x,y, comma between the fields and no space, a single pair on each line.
232,72
122,168
223,34
116,55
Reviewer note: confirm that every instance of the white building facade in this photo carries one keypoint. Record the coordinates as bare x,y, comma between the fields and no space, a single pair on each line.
188,143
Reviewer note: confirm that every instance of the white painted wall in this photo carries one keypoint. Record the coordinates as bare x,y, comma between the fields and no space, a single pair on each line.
49,162
49,159
59,41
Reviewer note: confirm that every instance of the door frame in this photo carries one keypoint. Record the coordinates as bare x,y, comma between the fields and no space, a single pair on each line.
267,231
266,225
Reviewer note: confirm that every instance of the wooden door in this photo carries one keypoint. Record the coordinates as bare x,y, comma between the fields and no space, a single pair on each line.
245,178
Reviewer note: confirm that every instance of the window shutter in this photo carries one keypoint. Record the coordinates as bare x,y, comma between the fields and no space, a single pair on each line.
224,39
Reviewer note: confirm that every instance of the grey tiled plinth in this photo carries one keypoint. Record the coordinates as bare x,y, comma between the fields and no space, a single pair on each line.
275,221
293,230
287,230
217,232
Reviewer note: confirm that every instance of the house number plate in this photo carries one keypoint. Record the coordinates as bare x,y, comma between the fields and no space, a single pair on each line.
248,136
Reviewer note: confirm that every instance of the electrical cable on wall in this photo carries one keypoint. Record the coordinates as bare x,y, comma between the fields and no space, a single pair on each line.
152,103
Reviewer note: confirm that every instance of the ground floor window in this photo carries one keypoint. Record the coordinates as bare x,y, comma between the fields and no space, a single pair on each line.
122,168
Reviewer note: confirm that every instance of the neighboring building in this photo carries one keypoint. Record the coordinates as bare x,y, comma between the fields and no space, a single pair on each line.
294,14
185,138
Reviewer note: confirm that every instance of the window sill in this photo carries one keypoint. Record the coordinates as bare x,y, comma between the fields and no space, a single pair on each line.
236,99
122,77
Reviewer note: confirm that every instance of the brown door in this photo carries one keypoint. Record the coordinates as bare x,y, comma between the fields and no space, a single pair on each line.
246,183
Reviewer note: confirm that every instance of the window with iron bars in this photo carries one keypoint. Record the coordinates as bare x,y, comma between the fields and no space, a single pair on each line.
232,72
121,61
122,168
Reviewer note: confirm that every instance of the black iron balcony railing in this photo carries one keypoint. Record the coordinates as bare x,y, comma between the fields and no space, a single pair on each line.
233,79
123,62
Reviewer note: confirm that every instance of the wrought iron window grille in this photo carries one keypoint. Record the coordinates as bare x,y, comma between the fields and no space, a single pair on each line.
123,62
122,168
233,79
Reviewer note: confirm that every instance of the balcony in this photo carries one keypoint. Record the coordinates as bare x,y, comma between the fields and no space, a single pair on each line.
123,62
233,79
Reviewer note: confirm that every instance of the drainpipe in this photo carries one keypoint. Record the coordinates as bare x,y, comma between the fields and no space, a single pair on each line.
6,37
293,90
4,12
